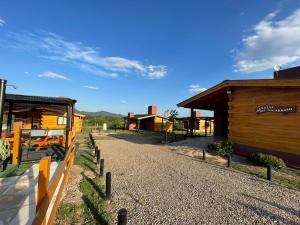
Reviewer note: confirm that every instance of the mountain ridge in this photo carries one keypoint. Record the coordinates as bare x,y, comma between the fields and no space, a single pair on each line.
99,113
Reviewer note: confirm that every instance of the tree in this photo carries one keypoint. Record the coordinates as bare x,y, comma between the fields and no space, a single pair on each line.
171,114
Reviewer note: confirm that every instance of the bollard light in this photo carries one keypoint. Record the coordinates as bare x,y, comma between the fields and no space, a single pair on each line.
108,186
269,172
122,216
101,167
228,161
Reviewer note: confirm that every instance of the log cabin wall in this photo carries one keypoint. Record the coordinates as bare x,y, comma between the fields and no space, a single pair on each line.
274,131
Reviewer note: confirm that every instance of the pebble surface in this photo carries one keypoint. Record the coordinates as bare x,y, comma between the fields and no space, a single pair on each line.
158,186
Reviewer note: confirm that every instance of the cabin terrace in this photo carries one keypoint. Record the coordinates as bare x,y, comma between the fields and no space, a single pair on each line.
257,115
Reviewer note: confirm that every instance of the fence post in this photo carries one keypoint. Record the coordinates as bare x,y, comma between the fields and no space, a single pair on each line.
122,216
16,145
108,185
269,172
43,182
228,160
97,154
92,142
204,154
101,167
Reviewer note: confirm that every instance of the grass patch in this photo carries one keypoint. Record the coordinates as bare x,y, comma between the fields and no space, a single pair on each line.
286,177
86,161
95,210
69,213
84,141
14,170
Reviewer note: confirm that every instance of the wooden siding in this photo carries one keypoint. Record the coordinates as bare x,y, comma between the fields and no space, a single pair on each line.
274,131
158,125
78,123
50,122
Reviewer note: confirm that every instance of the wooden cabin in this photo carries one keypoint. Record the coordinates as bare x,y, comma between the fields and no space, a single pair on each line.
151,121
38,120
24,119
201,125
257,115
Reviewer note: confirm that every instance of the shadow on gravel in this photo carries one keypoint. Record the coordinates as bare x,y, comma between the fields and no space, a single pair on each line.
284,208
265,213
140,138
90,168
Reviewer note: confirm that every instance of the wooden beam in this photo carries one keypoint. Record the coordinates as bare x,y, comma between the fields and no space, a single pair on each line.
43,182
192,124
16,145
9,117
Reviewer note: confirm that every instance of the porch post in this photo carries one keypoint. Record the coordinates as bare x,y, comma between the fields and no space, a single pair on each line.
205,125
2,100
72,117
32,117
192,124
68,127
9,117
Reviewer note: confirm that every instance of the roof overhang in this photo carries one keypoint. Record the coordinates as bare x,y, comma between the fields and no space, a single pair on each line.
150,116
23,104
217,97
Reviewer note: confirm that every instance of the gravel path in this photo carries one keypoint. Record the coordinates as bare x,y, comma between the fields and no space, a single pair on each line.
158,186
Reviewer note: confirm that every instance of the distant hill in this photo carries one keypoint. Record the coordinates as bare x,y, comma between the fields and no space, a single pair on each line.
100,113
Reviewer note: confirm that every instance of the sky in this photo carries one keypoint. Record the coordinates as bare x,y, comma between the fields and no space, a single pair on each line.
121,56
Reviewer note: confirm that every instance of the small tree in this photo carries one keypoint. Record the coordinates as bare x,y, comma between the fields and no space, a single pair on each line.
171,114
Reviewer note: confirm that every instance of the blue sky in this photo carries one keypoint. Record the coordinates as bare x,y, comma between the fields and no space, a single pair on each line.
120,56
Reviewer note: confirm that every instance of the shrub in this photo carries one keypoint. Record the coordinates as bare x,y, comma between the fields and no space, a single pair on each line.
222,148
267,160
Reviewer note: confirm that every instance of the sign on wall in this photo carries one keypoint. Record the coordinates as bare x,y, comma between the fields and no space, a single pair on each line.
276,109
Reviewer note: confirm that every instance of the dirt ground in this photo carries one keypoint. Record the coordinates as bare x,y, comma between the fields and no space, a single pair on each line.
167,184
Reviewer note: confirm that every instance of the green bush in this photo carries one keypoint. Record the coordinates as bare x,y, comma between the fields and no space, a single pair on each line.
267,160
222,148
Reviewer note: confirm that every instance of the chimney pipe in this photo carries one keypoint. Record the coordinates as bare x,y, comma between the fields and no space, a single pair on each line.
152,110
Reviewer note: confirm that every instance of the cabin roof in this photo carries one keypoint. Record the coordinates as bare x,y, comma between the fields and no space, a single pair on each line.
22,104
144,116
39,99
217,96
197,118
79,115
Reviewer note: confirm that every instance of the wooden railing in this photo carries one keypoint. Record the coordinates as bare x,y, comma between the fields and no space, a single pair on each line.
45,213
15,141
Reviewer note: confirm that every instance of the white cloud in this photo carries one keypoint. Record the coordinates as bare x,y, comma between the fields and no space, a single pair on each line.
89,59
271,42
91,87
124,102
195,88
2,22
53,76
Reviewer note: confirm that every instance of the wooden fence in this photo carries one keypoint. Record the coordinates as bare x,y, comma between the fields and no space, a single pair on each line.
45,211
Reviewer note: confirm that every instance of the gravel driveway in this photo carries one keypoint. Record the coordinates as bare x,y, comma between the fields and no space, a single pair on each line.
158,186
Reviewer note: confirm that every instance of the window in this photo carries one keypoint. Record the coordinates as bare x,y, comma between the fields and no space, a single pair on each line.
61,120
